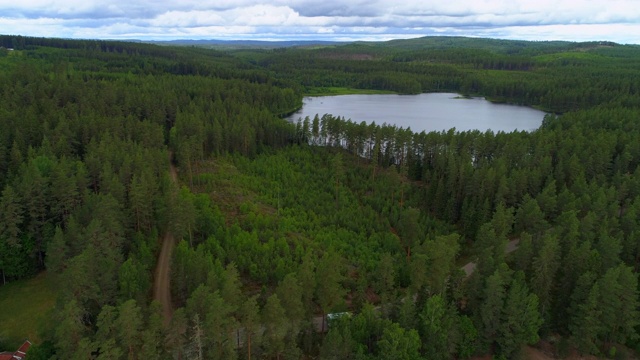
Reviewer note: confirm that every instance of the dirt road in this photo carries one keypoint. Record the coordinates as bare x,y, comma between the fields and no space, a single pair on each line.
162,283
162,279
469,268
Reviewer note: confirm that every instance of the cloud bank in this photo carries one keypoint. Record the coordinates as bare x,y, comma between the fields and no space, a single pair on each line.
577,20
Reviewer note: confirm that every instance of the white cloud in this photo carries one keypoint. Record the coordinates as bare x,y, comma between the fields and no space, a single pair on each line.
615,20
187,19
324,30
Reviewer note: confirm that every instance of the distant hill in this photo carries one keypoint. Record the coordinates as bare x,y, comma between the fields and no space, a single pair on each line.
496,45
248,44
522,47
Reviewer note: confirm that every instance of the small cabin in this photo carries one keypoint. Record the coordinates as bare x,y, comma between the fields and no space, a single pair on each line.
19,354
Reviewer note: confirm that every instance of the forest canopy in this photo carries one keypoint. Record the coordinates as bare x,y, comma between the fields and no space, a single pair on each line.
324,238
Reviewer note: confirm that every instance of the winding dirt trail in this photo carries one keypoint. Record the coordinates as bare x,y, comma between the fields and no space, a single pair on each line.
162,279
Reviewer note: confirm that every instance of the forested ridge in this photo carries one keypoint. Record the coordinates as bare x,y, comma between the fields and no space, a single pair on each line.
281,224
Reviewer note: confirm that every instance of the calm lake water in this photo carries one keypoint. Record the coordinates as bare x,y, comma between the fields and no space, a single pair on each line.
428,112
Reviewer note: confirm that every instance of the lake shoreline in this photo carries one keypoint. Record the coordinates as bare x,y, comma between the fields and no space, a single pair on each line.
435,111
338,91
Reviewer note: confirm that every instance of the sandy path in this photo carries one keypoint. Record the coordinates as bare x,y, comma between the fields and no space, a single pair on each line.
162,279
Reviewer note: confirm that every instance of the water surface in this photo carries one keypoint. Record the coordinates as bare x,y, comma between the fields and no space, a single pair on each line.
428,112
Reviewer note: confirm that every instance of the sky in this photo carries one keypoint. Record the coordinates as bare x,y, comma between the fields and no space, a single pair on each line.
344,20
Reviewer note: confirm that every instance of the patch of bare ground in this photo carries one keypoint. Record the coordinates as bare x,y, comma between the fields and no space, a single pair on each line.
219,180
542,351
530,353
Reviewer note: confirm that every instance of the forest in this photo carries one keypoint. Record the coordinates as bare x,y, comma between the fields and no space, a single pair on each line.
325,238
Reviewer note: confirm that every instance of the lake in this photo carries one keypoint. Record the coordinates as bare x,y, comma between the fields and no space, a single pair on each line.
428,112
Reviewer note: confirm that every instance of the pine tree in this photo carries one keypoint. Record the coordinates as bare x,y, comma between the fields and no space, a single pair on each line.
329,291
153,334
176,334
409,229
129,324
183,212
337,166
337,345
141,194
11,217
64,193
520,318
199,302
502,221
70,330
490,310
34,190
274,321
131,280
385,278
585,326
399,344
546,265
467,337
231,288
529,217
490,249
442,252
105,338
290,295
437,322
609,247
57,252
220,328
524,254
619,304
250,323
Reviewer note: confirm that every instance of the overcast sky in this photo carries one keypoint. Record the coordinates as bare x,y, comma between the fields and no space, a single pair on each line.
577,20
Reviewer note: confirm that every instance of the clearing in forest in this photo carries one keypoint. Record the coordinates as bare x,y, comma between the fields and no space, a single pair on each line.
24,305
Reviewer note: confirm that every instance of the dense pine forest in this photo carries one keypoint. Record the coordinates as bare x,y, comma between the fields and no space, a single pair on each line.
326,238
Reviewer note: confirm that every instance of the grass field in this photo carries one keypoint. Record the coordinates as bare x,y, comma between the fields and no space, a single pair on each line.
23,305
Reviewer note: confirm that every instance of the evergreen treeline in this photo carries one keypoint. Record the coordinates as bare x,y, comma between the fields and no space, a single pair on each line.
327,238
557,78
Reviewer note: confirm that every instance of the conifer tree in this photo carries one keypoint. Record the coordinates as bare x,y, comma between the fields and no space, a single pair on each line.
520,318
274,321
250,323
586,328
176,334
129,324
290,295
329,291
11,217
